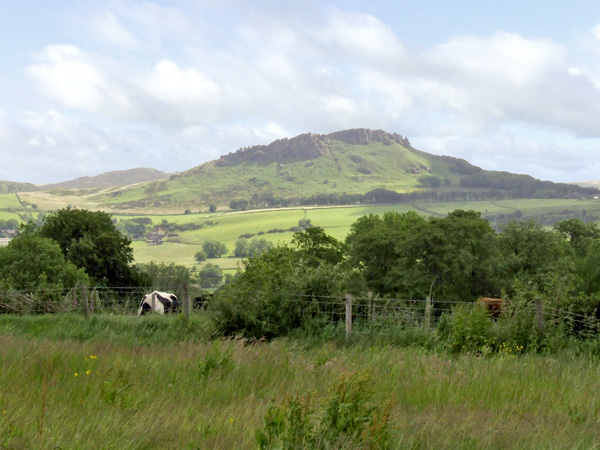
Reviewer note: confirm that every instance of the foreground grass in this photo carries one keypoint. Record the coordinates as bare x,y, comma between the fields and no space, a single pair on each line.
131,383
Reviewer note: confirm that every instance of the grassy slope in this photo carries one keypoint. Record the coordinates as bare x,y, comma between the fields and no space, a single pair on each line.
98,385
343,168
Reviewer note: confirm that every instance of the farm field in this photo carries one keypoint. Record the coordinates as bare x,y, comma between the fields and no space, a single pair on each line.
336,220
72,384
229,226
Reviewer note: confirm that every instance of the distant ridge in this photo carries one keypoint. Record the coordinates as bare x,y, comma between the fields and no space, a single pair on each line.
309,145
588,184
115,178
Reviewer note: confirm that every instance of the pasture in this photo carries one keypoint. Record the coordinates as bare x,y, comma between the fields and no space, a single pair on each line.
158,382
336,221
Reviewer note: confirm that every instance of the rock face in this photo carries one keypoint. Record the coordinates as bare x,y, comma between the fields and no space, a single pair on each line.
309,146
363,136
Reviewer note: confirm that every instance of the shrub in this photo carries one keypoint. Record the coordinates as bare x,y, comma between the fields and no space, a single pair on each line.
346,420
468,328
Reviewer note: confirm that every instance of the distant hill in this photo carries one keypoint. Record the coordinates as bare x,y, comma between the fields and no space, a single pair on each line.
345,167
116,178
11,187
588,184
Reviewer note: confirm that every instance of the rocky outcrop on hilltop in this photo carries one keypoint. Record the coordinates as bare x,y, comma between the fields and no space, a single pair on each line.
302,147
309,146
363,136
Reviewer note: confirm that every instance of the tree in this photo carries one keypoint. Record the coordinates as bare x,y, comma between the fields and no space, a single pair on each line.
241,248
212,208
200,256
375,244
90,240
317,246
535,256
452,258
33,262
263,300
239,204
210,275
167,277
131,228
214,248
578,234
258,245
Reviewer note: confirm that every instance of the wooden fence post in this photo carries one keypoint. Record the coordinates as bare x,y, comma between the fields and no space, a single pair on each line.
428,311
348,315
86,303
370,306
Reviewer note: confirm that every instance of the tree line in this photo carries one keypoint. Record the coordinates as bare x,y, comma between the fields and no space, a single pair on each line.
456,258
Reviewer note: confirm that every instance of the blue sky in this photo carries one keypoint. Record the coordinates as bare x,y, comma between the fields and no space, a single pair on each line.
89,87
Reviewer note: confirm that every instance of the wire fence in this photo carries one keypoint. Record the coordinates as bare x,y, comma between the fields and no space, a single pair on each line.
357,313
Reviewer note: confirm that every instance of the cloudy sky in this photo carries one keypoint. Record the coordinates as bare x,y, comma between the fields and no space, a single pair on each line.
89,87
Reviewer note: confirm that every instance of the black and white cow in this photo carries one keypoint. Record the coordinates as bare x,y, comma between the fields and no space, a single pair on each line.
163,303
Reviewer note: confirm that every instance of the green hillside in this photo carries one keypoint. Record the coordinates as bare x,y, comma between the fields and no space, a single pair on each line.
337,168
348,167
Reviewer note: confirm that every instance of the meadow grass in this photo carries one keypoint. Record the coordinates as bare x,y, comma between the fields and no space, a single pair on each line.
111,385
9,201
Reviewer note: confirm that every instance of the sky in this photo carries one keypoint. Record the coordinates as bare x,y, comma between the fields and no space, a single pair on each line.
101,85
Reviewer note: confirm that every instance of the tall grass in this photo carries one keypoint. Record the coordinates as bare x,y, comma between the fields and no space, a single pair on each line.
148,383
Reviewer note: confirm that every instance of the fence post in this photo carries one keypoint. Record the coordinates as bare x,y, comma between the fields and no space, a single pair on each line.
539,316
186,302
370,306
348,315
153,302
428,311
86,304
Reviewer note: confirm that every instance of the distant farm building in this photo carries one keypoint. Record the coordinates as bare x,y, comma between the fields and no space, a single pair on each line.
155,237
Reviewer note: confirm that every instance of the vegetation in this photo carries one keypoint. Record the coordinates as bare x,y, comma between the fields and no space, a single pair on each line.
115,372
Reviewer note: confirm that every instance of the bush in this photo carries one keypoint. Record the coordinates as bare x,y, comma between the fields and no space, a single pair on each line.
346,420
468,328
264,300
214,248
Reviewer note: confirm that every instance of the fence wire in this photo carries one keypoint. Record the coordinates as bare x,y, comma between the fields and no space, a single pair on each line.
368,314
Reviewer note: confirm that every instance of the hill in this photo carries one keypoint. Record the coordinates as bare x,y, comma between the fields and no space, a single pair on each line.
12,187
357,166
110,179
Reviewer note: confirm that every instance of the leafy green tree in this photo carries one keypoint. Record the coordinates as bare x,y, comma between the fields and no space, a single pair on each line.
200,256
214,248
90,240
168,277
451,258
33,262
212,208
536,257
375,244
239,204
259,245
269,297
316,246
132,229
210,275
241,248
430,181
578,234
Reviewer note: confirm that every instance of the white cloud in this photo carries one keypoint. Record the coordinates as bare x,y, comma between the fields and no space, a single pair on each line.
66,75
105,26
178,78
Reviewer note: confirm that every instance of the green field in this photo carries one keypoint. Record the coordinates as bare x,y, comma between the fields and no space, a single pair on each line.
149,383
227,227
